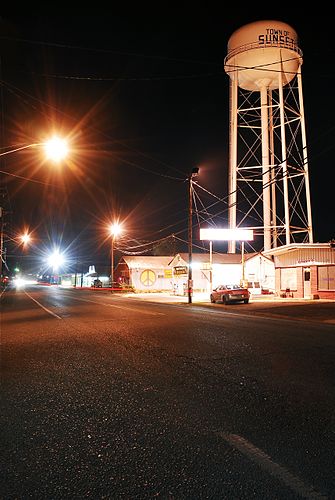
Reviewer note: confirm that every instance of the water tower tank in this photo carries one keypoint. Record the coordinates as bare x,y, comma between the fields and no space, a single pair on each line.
258,51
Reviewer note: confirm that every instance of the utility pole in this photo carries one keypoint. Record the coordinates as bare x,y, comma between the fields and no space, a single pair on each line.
193,174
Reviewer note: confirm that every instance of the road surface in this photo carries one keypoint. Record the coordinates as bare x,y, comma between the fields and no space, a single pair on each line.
116,397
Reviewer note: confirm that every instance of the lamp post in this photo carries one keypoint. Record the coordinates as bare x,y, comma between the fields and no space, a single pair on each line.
115,230
194,173
211,265
24,239
1,240
55,149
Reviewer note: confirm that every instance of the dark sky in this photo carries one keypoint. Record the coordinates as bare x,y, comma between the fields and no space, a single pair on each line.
144,99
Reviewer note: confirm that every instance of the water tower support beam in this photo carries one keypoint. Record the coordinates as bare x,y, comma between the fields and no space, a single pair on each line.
272,175
266,168
284,160
304,153
232,175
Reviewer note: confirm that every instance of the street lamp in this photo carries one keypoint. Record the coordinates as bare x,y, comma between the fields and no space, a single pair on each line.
25,238
56,149
115,230
194,173
56,259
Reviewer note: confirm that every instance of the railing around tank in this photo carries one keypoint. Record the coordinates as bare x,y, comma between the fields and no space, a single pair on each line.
267,45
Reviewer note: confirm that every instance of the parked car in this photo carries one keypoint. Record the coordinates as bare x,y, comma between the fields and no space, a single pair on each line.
230,293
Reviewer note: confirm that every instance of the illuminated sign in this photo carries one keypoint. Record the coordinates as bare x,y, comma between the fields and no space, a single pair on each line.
180,270
167,273
212,234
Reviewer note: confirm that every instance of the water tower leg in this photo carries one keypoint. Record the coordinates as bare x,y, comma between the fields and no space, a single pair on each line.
232,174
284,160
304,152
266,168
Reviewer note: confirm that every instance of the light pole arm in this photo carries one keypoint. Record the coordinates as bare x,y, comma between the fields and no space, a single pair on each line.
21,148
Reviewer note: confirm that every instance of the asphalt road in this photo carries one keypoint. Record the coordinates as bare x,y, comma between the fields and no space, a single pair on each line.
118,397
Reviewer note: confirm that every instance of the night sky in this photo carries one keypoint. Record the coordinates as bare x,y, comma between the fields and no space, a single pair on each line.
143,99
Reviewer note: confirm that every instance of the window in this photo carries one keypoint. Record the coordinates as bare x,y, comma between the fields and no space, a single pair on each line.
288,279
307,276
326,278
253,284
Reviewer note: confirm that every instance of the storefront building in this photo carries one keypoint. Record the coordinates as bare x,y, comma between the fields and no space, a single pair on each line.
170,273
145,273
305,270
254,269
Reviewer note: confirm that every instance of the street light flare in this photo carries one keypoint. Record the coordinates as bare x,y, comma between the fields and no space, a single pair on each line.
55,260
25,238
56,149
115,229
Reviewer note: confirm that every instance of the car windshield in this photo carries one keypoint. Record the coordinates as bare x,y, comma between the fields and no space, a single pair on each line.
232,287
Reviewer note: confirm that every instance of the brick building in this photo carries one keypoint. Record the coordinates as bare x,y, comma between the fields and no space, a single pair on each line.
305,270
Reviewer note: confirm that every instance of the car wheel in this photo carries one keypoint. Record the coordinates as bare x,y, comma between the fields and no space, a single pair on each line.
225,300
246,301
212,299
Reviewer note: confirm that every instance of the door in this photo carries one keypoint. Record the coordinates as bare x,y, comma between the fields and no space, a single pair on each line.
307,282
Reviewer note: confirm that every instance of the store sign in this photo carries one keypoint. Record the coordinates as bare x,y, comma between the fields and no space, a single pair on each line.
167,273
180,270
212,234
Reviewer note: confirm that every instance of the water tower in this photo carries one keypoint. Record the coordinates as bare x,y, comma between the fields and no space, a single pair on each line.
268,169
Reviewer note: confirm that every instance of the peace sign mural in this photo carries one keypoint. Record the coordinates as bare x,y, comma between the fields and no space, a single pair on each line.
148,277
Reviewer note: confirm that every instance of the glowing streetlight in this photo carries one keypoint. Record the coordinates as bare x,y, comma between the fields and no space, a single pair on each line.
56,149
114,229
25,238
55,260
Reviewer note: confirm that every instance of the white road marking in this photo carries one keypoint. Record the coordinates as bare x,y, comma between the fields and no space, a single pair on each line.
41,305
126,308
265,462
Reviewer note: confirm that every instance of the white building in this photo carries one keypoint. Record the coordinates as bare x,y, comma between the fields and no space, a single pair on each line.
145,273
256,269
170,273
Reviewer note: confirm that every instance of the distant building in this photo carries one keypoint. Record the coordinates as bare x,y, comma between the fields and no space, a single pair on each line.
83,280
